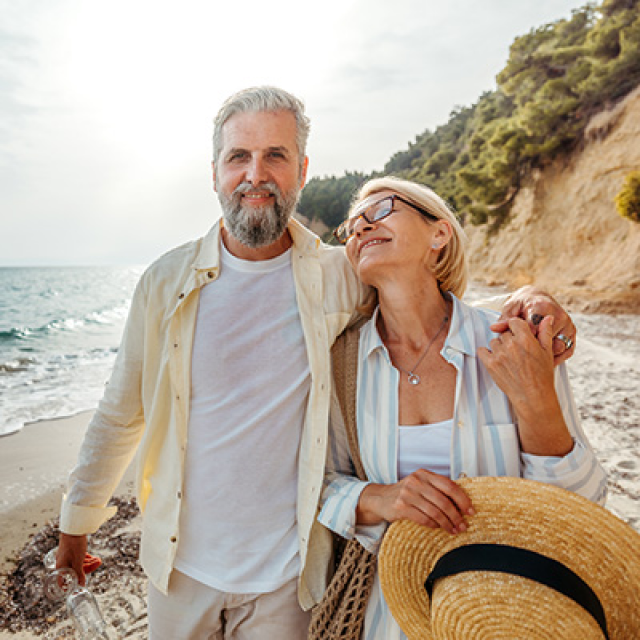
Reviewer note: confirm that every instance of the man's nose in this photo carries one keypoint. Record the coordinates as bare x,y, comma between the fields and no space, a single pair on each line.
256,172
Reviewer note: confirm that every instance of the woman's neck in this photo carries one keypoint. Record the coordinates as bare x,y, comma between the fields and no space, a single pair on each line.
411,312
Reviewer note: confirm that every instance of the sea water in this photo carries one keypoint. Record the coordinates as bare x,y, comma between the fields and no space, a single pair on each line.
60,328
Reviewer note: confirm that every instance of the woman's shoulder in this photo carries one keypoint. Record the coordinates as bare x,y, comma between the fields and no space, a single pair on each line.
475,313
471,325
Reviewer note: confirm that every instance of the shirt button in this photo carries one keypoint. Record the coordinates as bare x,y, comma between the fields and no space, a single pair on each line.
174,539
179,495
460,423
181,296
210,274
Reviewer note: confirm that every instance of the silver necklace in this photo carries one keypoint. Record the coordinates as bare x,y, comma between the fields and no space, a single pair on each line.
414,378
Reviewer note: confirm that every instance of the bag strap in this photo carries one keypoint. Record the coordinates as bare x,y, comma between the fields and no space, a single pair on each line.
344,356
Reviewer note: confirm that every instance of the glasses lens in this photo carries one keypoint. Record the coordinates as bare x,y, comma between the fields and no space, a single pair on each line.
342,233
380,210
375,212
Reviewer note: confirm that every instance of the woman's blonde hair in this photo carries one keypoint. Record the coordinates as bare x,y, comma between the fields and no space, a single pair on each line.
451,266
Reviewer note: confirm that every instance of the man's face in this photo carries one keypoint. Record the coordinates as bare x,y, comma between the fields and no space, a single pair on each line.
257,175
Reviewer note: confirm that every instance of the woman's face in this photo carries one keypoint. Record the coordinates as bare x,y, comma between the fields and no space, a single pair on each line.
401,240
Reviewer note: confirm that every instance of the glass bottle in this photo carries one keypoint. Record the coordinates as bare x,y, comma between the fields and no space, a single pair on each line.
82,607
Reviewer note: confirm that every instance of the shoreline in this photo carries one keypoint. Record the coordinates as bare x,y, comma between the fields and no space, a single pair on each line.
34,465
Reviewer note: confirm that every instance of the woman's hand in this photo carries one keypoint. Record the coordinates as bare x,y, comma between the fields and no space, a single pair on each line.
522,366
424,497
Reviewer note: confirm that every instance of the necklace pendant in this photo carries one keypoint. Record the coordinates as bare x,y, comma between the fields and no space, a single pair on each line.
414,379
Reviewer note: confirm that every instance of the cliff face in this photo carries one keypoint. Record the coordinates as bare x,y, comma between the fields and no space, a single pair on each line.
564,232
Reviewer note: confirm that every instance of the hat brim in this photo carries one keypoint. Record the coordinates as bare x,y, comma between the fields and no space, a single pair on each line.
593,543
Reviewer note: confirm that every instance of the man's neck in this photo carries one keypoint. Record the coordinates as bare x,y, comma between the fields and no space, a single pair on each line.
242,251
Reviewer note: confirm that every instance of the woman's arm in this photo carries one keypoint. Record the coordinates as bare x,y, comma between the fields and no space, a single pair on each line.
342,488
554,446
523,367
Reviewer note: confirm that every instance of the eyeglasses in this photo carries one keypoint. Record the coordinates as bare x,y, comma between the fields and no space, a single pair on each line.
374,213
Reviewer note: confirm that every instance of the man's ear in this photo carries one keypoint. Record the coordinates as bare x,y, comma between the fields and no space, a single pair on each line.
213,171
303,172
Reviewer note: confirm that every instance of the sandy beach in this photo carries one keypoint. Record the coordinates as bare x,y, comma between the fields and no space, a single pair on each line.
605,373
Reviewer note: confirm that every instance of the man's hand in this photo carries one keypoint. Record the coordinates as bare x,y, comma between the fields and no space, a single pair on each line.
533,305
72,552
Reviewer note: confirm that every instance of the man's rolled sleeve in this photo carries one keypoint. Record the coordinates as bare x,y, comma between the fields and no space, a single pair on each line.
77,520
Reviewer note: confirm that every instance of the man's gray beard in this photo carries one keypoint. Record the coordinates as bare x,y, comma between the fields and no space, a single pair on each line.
257,226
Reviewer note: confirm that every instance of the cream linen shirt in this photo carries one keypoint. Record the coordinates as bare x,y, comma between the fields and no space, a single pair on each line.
146,403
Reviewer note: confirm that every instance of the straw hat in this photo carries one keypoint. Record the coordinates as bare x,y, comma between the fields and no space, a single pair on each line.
485,603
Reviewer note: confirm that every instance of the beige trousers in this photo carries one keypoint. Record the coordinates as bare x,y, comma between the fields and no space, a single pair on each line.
195,611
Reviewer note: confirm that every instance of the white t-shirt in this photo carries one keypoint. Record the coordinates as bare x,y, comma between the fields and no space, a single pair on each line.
249,387
425,446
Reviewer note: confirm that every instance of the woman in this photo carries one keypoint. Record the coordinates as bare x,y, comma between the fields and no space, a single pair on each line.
439,396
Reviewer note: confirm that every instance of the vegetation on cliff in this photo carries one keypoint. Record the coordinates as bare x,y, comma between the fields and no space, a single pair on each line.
557,76
628,200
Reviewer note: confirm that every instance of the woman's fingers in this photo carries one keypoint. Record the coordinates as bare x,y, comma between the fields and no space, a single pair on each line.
431,500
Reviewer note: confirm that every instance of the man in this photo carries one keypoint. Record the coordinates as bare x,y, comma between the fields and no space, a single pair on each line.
222,382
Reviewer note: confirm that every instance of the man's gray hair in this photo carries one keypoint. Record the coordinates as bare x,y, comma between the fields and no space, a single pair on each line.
257,99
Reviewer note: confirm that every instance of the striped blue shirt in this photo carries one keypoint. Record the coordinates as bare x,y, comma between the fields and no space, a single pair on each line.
484,439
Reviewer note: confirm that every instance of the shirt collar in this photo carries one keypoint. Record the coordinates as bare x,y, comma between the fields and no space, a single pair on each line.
370,338
208,256
456,339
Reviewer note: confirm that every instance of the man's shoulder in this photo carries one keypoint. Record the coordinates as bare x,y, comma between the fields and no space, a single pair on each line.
307,241
179,259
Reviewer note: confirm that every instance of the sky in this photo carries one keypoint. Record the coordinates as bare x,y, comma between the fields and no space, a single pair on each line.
106,108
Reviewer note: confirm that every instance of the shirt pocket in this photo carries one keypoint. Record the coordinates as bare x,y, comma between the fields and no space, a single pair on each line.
499,450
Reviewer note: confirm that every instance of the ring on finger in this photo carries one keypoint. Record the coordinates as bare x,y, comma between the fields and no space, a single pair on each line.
568,342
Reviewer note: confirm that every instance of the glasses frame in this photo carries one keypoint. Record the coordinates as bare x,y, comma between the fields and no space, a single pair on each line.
337,232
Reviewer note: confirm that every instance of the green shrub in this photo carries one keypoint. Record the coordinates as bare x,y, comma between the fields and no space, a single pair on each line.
628,200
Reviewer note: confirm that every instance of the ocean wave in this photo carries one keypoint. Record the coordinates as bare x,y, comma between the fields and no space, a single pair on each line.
112,316
16,365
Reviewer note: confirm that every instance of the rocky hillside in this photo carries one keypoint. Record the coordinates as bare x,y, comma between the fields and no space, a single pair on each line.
564,232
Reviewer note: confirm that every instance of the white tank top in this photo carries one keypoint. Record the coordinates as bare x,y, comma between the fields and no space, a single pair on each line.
425,446
249,385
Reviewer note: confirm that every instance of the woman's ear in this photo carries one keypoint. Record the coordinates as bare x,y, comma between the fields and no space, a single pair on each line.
442,233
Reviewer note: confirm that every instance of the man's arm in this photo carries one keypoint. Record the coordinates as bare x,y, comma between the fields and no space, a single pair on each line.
108,446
